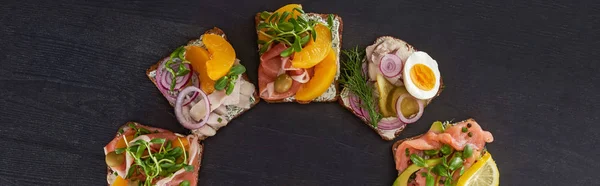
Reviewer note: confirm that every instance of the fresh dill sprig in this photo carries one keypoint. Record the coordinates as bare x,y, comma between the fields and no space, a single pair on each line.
355,81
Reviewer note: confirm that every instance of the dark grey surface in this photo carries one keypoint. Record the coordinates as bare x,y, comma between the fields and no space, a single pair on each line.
72,72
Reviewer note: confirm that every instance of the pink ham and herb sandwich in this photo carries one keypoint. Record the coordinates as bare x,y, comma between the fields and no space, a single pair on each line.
389,84
299,55
143,155
205,82
448,154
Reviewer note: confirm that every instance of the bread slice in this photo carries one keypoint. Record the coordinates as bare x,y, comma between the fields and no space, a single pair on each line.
332,93
385,134
110,175
232,111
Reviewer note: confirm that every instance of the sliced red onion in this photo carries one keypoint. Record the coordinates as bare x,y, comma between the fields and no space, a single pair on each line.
390,65
355,105
390,123
163,81
188,123
415,117
167,78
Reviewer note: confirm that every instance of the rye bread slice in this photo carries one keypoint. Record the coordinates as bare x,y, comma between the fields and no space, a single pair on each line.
110,173
151,75
385,134
397,143
337,48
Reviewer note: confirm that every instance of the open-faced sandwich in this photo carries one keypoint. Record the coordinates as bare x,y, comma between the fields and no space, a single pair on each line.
448,154
299,55
142,155
205,82
388,85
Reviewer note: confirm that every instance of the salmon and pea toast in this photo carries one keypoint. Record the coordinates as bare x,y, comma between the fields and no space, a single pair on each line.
448,154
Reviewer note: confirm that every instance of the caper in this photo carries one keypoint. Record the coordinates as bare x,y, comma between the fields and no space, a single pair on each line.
283,83
113,159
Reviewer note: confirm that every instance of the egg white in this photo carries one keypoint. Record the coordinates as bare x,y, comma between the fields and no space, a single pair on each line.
421,58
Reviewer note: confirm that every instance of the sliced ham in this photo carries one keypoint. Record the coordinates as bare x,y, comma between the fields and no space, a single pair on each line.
273,52
270,67
122,169
234,97
244,102
128,132
247,88
452,136
272,95
222,110
216,121
206,130
194,149
182,175
216,99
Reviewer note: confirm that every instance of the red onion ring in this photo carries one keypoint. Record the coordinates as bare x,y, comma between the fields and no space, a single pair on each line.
355,105
163,87
390,123
390,65
179,106
399,109
180,81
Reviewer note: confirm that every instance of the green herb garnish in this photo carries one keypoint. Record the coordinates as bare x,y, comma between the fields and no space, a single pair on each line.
155,163
467,152
182,70
354,80
432,152
227,82
446,149
451,162
184,183
292,31
418,160
138,131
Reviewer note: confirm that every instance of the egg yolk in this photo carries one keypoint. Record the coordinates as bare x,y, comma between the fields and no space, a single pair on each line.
422,76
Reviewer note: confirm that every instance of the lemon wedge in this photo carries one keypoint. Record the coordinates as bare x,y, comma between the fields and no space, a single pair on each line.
483,173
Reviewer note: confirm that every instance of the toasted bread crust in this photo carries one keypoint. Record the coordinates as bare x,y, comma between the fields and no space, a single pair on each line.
196,174
397,143
399,130
217,31
336,83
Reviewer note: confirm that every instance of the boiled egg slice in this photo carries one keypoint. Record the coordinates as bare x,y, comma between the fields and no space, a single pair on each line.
421,75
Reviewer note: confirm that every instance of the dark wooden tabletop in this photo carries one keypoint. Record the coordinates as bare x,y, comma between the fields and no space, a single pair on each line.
72,72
